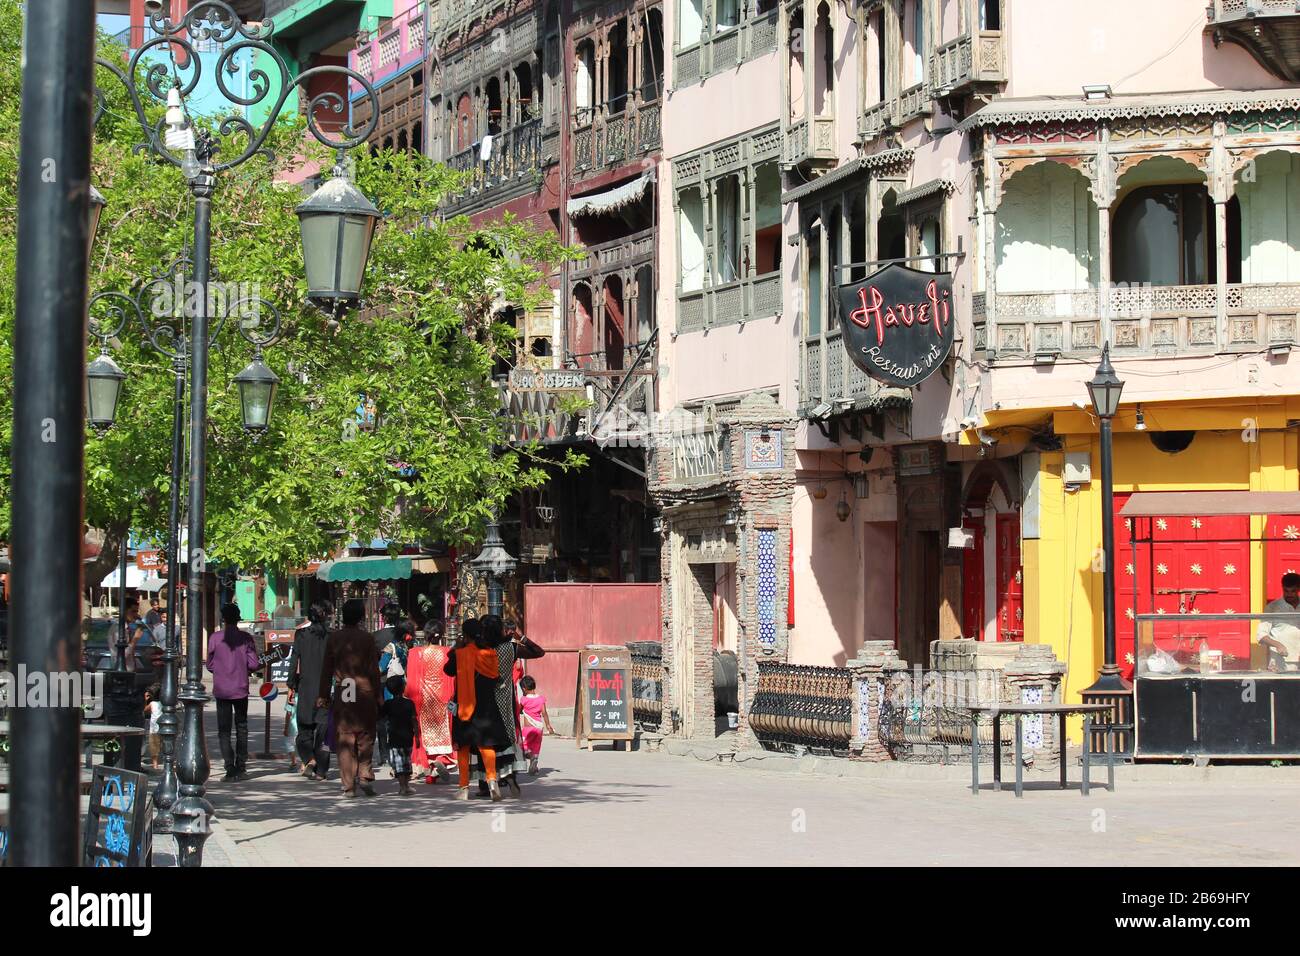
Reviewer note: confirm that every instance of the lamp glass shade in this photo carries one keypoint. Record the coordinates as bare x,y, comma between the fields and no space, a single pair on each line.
337,224
103,388
1105,387
257,386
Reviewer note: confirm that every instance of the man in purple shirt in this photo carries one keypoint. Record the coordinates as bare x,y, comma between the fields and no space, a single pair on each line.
232,656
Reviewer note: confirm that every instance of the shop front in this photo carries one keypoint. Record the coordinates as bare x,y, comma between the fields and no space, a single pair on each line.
1213,561
419,583
1212,680
724,489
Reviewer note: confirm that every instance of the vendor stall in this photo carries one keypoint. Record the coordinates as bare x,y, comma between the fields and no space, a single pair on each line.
1204,684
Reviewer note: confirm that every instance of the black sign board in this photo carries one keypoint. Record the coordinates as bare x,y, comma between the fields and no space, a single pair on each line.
898,323
278,646
603,709
119,821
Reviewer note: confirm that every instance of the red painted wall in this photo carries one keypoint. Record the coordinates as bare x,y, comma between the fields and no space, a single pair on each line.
564,618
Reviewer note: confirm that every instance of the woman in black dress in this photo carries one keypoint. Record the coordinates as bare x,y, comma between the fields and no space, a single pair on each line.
476,723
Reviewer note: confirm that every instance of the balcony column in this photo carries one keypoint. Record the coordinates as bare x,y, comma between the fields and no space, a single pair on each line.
824,257
992,198
809,78
1222,186
634,27
1103,196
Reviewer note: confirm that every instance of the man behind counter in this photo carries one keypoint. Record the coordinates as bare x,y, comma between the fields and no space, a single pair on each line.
1282,638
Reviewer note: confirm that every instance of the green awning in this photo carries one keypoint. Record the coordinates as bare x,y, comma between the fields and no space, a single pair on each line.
376,568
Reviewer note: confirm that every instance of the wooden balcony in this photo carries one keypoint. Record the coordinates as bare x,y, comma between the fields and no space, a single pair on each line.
605,139
827,374
1268,29
894,113
725,50
1171,321
967,62
515,159
729,302
809,140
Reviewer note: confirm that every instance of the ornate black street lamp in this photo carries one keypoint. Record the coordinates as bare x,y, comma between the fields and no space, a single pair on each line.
1110,687
195,151
103,386
337,224
494,563
257,385
110,312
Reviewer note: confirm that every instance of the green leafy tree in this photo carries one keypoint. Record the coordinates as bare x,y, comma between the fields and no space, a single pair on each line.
436,463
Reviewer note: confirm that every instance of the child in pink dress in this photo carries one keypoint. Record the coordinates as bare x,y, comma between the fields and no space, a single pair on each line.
534,719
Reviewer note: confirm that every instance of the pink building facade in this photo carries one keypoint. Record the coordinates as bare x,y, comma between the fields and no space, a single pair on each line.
1085,183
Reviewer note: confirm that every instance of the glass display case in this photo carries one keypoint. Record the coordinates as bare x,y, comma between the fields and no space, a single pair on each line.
1208,644
1205,688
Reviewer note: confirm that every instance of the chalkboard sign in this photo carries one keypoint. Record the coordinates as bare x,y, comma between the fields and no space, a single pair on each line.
282,641
119,821
603,708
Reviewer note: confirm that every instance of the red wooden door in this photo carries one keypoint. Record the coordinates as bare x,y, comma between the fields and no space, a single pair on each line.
1199,564
1283,556
1011,588
972,582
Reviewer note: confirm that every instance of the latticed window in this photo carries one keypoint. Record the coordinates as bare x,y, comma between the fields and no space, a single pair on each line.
415,34
390,48
363,61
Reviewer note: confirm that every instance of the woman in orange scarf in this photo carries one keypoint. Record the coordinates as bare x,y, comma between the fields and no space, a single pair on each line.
476,723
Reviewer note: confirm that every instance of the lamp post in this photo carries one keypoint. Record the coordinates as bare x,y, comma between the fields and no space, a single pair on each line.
49,346
110,312
1110,687
494,562
196,154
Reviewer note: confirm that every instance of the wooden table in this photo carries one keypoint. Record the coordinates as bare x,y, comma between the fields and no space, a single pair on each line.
1020,711
91,732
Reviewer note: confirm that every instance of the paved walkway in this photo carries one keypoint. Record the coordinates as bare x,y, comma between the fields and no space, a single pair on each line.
664,809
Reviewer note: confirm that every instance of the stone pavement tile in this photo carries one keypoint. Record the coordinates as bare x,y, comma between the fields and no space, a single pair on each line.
658,809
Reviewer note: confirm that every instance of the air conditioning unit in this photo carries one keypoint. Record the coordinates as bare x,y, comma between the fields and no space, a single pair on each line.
1077,469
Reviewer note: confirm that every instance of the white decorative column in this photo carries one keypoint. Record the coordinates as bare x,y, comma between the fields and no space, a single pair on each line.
1222,182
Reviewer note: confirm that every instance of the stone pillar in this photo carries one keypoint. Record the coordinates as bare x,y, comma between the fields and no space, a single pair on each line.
1034,676
877,662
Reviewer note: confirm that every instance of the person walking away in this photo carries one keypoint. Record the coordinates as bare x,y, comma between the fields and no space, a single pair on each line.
535,720
391,612
400,714
153,710
352,663
476,721
306,661
232,656
511,647
1281,638
431,691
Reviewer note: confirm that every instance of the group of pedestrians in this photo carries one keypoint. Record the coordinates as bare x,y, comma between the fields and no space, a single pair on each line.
391,697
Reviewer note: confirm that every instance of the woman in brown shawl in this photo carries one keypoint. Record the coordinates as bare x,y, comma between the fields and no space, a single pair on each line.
476,723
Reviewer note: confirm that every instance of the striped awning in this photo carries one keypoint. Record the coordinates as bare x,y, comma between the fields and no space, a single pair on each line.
611,200
369,568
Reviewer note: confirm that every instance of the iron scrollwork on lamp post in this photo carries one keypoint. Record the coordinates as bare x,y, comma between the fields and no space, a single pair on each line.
197,152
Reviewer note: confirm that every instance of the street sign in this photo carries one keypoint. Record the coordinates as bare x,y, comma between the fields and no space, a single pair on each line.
603,705
119,821
150,561
547,380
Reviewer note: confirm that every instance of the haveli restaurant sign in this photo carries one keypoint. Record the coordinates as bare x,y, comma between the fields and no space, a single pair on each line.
898,323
